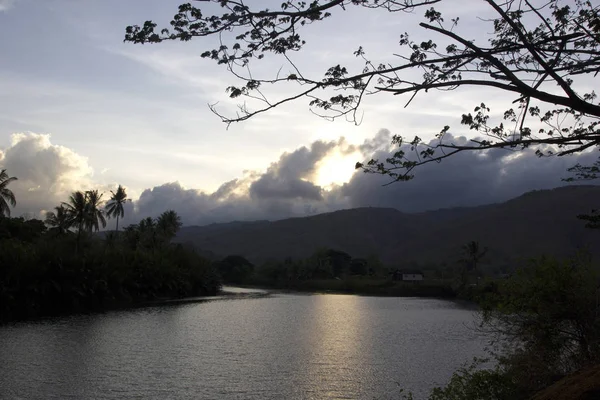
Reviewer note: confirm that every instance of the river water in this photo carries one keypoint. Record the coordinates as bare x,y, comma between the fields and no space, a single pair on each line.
281,346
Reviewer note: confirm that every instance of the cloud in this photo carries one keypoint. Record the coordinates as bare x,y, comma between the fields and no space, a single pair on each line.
465,179
46,173
291,177
284,190
6,5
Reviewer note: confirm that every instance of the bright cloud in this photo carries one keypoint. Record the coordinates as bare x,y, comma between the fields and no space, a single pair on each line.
292,186
46,172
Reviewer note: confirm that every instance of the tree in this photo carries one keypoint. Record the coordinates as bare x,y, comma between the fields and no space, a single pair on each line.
95,213
132,236
58,220
167,224
548,314
146,225
472,255
546,54
359,266
114,207
84,211
148,234
77,212
235,269
6,195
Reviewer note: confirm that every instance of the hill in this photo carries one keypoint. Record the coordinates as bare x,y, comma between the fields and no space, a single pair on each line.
538,222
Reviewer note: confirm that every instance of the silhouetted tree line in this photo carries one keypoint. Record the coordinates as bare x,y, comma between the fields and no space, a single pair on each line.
331,269
67,268
327,270
323,264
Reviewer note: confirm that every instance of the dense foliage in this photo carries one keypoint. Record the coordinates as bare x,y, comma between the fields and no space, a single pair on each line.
546,323
330,270
41,273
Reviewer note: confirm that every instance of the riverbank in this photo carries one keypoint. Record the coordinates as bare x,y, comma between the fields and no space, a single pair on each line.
225,293
361,286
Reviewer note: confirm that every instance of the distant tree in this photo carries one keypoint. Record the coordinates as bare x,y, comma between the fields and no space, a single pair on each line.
21,229
6,195
94,210
472,256
115,206
320,265
540,52
375,264
339,260
146,225
359,266
167,224
235,269
147,232
473,253
58,220
132,236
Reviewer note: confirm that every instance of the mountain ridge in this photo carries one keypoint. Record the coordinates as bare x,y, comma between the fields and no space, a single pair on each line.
537,222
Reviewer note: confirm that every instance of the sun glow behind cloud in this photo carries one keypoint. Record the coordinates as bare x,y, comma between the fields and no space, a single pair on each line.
336,169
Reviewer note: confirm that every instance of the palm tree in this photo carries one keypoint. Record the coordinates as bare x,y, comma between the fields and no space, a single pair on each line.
95,213
114,207
168,223
146,225
147,232
58,220
6,195
84,211
132,235
473,253
77,210
77,213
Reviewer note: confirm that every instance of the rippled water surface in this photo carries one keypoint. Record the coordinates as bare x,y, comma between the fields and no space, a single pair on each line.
275,347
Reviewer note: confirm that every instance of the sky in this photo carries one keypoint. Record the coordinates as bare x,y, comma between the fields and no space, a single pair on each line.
81,109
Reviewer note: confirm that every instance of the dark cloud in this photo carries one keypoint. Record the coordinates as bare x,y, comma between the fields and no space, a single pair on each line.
289,178
198,208
274,187
48,173
465,179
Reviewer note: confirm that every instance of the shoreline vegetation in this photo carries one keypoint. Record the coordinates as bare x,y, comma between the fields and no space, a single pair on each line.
360,287
543,317
50,272
548,305
46,269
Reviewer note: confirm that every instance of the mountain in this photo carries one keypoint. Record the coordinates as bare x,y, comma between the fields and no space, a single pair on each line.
538,222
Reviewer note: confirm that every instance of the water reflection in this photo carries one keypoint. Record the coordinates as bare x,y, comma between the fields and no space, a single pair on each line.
284,346
338,332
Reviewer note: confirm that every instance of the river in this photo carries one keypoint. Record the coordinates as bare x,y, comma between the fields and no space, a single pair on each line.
280,346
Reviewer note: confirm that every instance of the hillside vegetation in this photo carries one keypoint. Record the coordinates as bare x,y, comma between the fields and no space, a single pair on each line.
538,222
